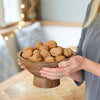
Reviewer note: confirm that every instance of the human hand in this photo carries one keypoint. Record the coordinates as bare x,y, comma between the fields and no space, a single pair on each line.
65,68
74,64
21,65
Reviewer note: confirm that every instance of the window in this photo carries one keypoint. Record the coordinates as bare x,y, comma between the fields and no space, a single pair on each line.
11,11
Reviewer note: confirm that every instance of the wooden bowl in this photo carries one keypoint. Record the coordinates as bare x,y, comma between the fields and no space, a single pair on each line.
35,67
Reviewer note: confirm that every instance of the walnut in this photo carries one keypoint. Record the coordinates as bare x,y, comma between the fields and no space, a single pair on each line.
56,51
36,51
38,45
49,59
68,52
60,47
44,47
49,52
29,48
45,53
35,58
60,58
27,53
51,44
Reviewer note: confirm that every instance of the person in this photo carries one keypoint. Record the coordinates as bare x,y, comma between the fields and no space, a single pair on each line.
85,65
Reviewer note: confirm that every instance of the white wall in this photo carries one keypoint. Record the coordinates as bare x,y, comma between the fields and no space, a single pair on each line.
64,10
64,36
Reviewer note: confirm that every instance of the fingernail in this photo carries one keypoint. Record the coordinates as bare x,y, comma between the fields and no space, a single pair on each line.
21,67
42,75
59,65
40,71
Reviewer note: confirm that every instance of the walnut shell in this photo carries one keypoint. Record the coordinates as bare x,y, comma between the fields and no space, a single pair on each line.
60,58
68,52
35,58
56,51
49,52
49,59
44,47
38,45
36,51
27,53
29,48
45,53
51,44
60,47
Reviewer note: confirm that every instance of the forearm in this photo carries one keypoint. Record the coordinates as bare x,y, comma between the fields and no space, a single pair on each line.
91,66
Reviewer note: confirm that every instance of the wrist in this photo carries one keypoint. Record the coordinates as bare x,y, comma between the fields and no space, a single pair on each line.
83,66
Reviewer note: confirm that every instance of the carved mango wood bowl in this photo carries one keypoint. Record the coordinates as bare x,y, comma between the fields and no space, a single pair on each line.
35,67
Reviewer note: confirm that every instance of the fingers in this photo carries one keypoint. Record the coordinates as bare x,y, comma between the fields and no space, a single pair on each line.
21,65
19,62
64,63
50,76
47,73
51,73
52,70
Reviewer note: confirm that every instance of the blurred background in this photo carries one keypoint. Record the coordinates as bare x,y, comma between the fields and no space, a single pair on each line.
25,22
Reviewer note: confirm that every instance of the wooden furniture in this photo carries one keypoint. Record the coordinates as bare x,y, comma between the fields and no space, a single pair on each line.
20,87
10,29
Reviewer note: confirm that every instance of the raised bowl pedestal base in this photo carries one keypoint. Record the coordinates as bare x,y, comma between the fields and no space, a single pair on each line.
45,83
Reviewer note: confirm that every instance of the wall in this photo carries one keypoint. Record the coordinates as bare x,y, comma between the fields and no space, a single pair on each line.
64,36
64,10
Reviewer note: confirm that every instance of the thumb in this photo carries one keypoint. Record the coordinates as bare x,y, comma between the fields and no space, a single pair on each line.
64,64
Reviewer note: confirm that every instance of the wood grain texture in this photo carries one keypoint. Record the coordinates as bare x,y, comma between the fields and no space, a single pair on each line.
20,87
8,30
4,96
8,83
61,23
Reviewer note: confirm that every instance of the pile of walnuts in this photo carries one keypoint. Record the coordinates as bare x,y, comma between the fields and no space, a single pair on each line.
49,52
